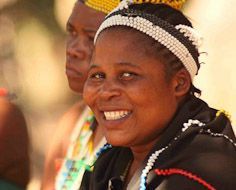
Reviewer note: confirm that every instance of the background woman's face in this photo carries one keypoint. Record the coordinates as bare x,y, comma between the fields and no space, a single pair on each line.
82,26
127,89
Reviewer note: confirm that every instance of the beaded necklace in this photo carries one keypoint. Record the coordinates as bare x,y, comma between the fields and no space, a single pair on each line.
80,155
152,159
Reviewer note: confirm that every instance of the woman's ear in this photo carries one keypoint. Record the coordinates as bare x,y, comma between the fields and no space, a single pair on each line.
182,82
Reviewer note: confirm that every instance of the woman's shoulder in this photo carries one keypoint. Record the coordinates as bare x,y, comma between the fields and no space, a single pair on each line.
200,169
211,160
214,138
207,163
203,157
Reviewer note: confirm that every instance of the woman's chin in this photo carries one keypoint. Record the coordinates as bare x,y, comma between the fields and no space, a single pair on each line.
76,86
117,141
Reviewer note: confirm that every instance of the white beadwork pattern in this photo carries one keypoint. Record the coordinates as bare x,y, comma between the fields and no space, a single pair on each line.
188,32
159,34
152,159
208,131
191,34
122,5
192,122
149,166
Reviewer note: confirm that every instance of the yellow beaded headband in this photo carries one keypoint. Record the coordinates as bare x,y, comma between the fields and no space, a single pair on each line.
107,6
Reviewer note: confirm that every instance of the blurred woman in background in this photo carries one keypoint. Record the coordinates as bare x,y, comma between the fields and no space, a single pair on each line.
78,137
14,145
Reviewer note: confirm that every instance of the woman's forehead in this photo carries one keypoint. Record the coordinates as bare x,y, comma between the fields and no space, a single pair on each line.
119,46
85,16
128,40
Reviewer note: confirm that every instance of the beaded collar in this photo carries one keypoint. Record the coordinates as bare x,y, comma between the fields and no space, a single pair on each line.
80,155
155,155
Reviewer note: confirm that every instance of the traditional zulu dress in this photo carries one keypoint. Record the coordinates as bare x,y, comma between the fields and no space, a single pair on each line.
196,151
80,155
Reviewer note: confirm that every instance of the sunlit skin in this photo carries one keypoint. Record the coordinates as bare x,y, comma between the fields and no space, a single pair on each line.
125,78
82,26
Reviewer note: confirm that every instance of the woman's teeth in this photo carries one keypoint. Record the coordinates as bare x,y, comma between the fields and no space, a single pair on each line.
114,115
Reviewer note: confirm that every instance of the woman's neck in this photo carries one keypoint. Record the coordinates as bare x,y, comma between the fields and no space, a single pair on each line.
141,151
139,154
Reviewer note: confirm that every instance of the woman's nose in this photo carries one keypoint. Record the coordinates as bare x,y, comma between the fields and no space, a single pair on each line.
110,89
76,52
75,49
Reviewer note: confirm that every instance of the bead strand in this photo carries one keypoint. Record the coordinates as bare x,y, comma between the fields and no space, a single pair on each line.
190,123
208,131
149,166
152,159
102,149
156,32
191,34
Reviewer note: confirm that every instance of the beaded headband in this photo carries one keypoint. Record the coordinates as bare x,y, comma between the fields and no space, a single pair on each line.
107,6
181,40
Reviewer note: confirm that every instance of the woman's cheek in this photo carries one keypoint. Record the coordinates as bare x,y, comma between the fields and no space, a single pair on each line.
89,93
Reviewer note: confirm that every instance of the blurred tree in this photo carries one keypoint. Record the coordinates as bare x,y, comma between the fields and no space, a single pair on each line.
42,10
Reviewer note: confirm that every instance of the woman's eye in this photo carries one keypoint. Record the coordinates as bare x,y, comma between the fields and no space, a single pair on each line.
97,76
127,75
71,31
91,38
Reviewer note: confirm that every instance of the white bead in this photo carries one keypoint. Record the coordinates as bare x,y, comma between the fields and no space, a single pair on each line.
150,164
148,167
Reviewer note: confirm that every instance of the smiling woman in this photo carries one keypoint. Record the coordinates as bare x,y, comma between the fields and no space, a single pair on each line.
125,88
141,93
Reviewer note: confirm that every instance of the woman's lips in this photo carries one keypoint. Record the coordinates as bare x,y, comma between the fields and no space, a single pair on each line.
114,119
72,73
115,115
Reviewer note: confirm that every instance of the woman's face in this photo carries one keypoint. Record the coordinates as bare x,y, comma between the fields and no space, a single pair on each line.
82,26
128,91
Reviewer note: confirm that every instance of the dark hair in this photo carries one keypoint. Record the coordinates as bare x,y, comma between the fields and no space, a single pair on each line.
173,17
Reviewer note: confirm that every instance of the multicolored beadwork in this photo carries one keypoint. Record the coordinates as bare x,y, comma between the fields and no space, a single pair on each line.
104,6
152,159
227,114
173,3
185,173
209,132
107,6
104,148
80,156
